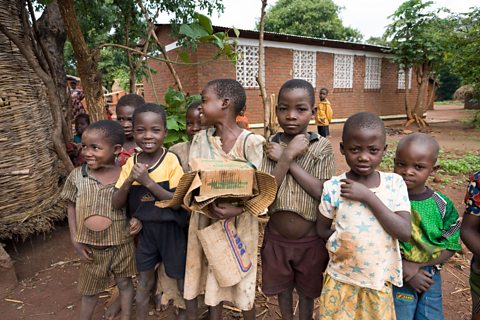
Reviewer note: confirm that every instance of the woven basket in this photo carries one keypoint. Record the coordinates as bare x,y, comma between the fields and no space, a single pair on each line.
29,168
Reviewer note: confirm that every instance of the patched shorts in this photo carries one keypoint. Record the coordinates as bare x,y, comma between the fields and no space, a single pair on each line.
117,261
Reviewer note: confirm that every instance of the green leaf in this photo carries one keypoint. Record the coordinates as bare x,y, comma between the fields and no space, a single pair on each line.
172,136
237,32
205,22
184,56
172,124
174,98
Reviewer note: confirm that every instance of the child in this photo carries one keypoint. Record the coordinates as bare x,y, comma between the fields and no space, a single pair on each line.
222,100
82,121
149,176
471,235
193,125
293,256
100,233
125,107
371,211
242,119
324,114
435,231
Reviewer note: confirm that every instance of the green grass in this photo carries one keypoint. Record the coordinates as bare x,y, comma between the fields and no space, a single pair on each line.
444,102
450,165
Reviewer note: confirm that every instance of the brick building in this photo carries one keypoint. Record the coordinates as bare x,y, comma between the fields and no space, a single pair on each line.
359,77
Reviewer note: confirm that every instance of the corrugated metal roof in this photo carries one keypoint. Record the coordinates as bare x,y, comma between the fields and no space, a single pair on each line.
283,37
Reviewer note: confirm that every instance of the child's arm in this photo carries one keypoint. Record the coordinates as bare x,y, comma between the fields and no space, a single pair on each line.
324,227
81,249
285,158
470,233
397,223
120,196
420,279
140,174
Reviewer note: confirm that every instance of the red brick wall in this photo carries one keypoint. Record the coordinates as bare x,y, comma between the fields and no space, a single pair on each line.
388,100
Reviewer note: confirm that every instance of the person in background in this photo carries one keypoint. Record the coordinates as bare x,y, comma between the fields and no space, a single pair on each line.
324,114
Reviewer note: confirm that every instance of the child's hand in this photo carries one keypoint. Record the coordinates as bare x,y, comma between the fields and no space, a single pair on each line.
140,174
353,190
422,281
298,146
135,226
224,210
83,250
274,151
410,269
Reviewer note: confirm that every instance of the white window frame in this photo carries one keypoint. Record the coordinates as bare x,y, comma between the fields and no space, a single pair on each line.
247,66
305,66
373,73
401,79
343,71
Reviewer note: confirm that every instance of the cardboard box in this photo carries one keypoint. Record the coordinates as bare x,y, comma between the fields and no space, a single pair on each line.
222,178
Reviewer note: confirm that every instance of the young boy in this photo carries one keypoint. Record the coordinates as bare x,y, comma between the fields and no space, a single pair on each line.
82,121
435,231
194,125
324,114
371,211
100,233
124,110
293,256
149,176
222,100
471,237
74,148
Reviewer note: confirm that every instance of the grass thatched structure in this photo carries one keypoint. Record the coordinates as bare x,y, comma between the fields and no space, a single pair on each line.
29,167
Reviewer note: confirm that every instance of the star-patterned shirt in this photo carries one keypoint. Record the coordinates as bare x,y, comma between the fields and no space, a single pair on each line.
361,252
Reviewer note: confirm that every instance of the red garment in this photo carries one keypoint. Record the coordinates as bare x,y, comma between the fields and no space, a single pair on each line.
124,155
243,119
74,151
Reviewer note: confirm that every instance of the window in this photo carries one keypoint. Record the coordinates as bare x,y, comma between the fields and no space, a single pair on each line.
401,79
373,73
247,66
305,66
343,71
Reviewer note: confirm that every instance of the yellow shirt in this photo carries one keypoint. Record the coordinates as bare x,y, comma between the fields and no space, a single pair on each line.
324,113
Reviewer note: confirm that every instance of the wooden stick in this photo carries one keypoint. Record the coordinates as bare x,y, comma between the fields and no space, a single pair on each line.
264,311
232,308
296,306
14,301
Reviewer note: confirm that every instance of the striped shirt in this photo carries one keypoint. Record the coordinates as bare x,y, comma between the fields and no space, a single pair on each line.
92,198
317,161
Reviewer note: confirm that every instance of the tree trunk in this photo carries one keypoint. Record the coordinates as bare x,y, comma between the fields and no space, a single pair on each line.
53,35
87,62
408,107
261,82
419,109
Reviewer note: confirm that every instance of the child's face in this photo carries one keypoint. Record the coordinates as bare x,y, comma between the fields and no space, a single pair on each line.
193,122
124,117
149,132
363,150
415,163
80,126
98,150
294,111
323,95
211,109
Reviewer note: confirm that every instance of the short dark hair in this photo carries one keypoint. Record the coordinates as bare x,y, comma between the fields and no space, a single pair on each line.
422,139
84,116
363,120
131,99
230,89
150,107
194,105
299,84
110,129
323,89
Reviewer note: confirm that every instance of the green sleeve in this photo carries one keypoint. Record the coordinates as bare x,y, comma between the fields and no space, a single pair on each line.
451,227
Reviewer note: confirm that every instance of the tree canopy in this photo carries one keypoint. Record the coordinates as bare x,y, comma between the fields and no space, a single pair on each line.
313,18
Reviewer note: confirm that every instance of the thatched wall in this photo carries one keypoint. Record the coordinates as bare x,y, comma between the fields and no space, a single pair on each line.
29,168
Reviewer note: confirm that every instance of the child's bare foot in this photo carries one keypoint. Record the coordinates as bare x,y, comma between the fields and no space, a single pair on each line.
113,309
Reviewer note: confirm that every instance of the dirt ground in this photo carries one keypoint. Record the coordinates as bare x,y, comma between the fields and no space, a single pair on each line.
47,267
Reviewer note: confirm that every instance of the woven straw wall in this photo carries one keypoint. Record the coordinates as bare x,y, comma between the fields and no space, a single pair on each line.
29,172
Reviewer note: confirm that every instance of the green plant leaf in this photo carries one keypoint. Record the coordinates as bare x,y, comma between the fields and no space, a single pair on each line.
184,56
205,22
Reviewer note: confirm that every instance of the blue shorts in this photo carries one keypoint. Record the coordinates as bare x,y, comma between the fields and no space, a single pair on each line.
162,242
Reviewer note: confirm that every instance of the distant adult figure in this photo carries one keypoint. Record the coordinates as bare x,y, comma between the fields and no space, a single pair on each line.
77,96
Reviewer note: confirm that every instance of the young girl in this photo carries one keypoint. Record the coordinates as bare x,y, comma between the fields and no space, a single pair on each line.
222,101
371,211
100,233
471,237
